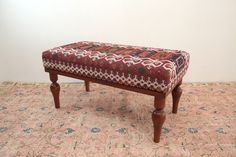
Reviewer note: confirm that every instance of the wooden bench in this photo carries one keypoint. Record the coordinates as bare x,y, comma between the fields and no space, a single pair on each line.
153,71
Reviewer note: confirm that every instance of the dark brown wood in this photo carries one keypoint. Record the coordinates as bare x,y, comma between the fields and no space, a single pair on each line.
158,116
55,88
87,85
176,94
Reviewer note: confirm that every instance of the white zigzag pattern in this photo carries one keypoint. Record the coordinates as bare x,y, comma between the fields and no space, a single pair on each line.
97,73
129,60
115,77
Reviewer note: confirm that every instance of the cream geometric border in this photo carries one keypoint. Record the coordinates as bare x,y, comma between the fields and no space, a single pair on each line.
114,76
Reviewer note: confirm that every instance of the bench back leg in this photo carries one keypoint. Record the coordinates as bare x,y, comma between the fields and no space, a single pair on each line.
86,85
176,94
55,89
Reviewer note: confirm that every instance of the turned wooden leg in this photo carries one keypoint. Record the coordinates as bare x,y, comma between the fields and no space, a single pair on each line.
158,116
176,94
55,89
86,85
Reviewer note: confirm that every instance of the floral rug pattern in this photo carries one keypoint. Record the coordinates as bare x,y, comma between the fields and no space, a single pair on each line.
110,122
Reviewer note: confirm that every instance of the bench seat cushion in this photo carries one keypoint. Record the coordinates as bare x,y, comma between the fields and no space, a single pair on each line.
143,67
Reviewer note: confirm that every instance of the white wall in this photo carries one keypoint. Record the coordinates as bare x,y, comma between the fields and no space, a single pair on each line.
205,28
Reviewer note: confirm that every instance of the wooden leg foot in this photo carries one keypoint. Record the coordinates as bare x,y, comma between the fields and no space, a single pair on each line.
158,117
87,86
176,94
55,89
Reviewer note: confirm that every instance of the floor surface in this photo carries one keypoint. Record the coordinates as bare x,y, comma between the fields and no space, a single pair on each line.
110,122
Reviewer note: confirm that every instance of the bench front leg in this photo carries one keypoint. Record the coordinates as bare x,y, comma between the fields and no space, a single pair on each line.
55,89
158,116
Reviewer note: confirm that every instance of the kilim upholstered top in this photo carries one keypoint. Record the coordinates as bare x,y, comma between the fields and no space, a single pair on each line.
143,67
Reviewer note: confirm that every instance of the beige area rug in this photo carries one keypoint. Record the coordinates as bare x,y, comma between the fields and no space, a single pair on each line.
110,122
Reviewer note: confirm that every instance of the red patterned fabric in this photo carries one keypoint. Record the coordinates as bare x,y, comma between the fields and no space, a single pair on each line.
143,67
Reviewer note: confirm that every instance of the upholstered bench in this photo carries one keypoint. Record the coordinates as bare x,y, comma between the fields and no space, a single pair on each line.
146,70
